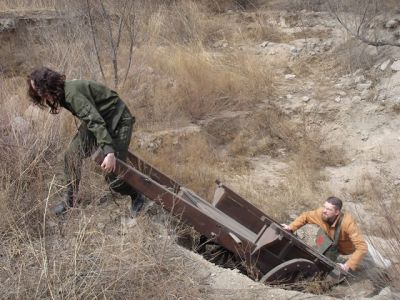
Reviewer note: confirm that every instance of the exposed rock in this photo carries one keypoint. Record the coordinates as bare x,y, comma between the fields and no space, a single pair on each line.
392,24
290,76
359,78
19,124
364,94
396,65
220,44
7,24
364,86
384,65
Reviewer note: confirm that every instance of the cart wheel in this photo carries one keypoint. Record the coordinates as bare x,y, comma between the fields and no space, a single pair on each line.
291,271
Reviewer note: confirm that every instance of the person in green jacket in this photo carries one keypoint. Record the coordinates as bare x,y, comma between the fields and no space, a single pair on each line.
105,122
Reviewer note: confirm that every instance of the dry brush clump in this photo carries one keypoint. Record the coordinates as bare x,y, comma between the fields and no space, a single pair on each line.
80,258
28,156
381,196
199,83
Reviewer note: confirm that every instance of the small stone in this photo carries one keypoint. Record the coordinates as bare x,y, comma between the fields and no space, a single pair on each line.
51,224
395,66
339,85
364,94
128,222
341,93
364,86
338,99
384,65
295,50
7,24
305,98
356,99
289,96
359,79
290,76
392,24
264,44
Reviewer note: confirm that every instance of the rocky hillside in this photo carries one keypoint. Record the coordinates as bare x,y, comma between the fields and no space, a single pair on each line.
277,98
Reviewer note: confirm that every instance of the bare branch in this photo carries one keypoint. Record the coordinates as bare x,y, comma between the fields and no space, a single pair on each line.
112,45
121,21
96,48
358,33
131,28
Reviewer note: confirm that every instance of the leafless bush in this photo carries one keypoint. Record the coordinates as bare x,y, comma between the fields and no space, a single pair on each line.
77,259
364,19
381,196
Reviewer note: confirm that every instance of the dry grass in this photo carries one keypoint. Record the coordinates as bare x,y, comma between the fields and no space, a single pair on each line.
78,259
381,196
197,83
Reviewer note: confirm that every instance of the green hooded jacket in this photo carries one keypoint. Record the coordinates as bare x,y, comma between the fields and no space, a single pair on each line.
99,107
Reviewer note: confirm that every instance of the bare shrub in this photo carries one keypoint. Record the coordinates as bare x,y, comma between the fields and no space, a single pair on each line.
381,196
27,4
190,160
77,259
197,83
26,151
354,55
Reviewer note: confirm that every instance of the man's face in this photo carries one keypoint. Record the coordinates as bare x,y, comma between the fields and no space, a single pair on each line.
329,212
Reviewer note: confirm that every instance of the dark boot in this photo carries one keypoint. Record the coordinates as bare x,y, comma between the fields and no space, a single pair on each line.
137,202
66,204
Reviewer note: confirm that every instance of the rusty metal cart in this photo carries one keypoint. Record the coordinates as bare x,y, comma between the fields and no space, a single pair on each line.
272,254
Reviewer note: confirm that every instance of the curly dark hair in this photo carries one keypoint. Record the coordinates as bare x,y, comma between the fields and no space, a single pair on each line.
46,82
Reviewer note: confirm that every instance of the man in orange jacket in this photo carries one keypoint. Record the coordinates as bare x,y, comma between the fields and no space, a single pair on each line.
331,219
339,234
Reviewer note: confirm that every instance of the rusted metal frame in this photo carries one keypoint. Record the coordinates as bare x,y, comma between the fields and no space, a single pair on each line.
286,249
183,210
248,206
239,209
301,245
152,186
152,172
280,273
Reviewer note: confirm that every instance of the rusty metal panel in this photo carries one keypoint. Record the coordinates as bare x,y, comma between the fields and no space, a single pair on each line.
239,209
152,172
230,221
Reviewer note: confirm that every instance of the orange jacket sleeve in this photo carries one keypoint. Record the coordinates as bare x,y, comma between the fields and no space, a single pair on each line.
357,239
309,217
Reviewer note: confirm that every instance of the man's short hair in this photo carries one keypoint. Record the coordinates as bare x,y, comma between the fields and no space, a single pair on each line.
335,201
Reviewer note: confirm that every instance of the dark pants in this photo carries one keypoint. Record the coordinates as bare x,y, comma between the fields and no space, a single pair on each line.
83,144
